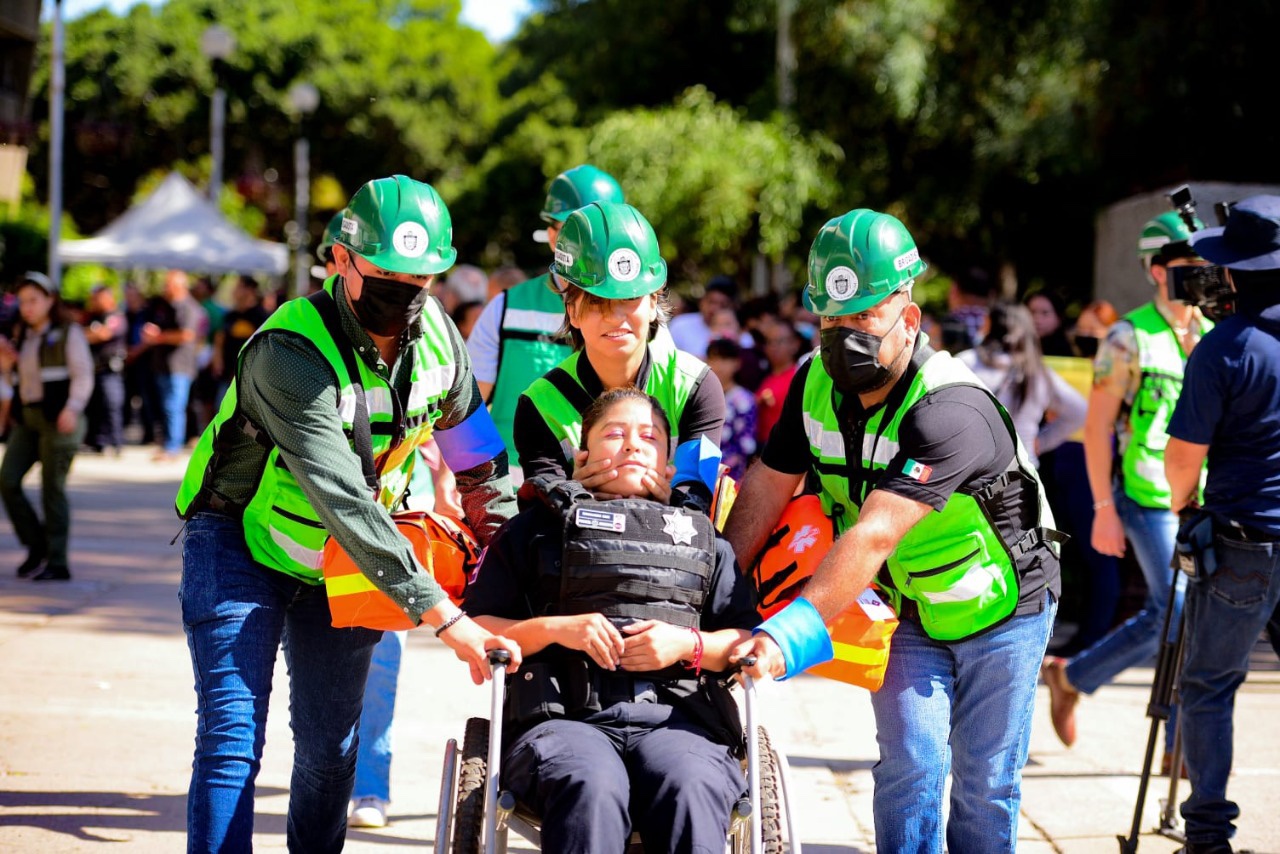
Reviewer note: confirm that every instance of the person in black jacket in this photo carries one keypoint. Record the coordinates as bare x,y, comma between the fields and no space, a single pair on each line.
619,720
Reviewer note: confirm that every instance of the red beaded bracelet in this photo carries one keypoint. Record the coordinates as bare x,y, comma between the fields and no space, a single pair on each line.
696,664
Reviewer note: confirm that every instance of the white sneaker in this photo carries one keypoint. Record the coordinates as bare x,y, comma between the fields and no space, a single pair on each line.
368,811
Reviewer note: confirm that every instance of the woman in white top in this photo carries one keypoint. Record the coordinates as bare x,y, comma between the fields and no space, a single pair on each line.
1045,409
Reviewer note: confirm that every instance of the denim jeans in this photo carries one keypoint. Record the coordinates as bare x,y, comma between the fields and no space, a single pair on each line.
35,439
373,760
961,708
1225,614
237,613
174,390
1151,531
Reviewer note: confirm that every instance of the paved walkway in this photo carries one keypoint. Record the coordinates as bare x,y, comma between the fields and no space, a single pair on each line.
97,720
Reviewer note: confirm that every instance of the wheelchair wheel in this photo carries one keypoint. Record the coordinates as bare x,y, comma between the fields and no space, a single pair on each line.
468,813
770,797
771,805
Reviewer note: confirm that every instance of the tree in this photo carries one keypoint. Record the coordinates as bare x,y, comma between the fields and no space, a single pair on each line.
718,188
404,87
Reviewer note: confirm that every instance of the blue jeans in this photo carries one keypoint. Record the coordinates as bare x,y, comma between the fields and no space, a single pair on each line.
1225,614
1151,531
961,708
373,760
174,390
237,613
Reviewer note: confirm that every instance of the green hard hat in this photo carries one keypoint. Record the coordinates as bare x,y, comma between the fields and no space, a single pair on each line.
399,224
331,232
1166,228
609,250
857,260
579,186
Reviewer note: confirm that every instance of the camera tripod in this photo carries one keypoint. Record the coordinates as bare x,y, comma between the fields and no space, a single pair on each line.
1164,698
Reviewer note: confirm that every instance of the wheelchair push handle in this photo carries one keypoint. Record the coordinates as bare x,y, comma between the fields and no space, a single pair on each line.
499,657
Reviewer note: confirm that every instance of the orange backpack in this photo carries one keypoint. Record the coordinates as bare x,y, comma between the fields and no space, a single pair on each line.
861,634
445,547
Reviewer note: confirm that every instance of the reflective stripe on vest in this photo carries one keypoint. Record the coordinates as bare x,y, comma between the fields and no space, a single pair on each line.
954,563
673,375
532,314
282,529
1161,361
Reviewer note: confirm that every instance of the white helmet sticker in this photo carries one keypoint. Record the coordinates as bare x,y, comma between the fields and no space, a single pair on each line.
842,283
906,259
350,226
564,259
624,264
409,239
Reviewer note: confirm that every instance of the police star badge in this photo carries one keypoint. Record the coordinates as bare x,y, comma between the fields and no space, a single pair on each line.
679,528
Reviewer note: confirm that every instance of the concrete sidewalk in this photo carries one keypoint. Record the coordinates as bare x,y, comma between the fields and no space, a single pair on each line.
97,715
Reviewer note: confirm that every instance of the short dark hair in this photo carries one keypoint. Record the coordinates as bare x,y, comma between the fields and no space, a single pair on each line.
723,348
614,396
723,284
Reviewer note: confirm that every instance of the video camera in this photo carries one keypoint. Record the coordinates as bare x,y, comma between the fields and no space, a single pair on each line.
1204,287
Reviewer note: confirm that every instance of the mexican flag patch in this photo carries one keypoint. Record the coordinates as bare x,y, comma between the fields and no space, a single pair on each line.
917,471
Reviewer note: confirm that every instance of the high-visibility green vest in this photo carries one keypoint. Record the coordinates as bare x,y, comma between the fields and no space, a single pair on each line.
955,565
561,398
532,313
1161,360
281,527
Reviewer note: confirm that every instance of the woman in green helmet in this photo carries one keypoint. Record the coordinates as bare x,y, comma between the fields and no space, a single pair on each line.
608,267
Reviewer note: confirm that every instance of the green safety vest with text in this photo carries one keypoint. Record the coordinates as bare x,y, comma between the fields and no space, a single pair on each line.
532,314
282,529
561,399
1161,360
956,565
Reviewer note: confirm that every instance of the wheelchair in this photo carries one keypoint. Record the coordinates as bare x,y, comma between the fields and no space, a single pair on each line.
475,816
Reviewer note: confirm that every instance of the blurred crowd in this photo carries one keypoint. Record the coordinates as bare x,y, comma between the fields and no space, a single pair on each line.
164,357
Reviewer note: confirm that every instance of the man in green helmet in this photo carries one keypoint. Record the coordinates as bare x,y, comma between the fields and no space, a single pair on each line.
316,438
1137,377
515,339
933,498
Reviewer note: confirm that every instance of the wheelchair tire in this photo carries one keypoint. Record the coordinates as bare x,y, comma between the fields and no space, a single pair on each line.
770,797
468,814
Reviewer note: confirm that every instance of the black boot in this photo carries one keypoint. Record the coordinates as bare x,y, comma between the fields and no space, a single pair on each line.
53,573
34,558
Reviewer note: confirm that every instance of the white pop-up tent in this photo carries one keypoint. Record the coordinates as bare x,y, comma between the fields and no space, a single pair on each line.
177,228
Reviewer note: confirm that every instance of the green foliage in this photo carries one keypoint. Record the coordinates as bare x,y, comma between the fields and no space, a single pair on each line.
404,87
994,130
625,53
717,187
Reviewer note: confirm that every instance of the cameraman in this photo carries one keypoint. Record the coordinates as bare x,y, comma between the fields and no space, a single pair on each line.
1229,411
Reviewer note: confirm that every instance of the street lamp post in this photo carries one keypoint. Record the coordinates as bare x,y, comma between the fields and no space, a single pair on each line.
57,86
216,43
303,100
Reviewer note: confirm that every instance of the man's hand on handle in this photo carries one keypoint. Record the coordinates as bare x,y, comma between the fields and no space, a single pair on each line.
471,644
768,657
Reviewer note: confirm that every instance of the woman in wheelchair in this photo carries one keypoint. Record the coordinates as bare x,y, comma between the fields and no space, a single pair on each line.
626,610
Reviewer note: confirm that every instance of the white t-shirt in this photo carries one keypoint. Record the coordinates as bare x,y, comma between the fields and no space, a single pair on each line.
483,343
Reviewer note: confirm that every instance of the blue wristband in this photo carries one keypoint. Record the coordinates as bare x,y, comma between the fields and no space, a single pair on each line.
799,632
697,461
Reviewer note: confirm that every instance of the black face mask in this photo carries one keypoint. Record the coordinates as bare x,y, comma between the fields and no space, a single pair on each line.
852,358
387,307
